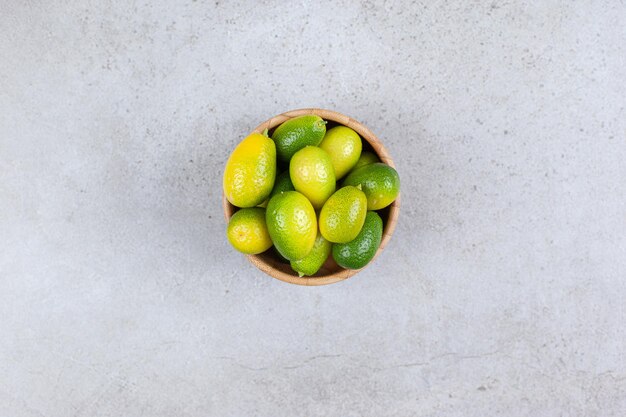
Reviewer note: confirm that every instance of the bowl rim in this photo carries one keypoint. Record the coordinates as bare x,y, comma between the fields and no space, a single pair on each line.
269,267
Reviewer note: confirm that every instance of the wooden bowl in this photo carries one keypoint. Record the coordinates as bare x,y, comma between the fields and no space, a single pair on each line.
330,273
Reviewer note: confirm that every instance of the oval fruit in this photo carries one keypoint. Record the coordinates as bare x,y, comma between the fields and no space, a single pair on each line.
247,231
360,251
292,224
366,158
283,183
250,171
343,215
379,182
295,134
312,174
344,147
312,263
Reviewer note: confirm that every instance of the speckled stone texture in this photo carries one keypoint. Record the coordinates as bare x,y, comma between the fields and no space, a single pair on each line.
502,292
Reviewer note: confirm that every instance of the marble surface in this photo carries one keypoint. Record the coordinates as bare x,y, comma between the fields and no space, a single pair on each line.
501,293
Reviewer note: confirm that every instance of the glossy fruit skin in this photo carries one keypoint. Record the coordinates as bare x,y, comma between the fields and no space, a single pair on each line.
360,251
344,147
312,174
343,214
366,158
380,183
282,183
292,224
250,171
296,133
247,231
312,263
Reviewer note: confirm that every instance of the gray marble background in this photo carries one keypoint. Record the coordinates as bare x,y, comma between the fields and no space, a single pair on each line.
502,292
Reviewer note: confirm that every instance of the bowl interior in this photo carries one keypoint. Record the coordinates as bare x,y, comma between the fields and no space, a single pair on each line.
270,261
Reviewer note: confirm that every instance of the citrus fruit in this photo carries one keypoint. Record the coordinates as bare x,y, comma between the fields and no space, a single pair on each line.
292,224
343,215
312,174
380,183
296,133
358,252
247,231
282,183
250,171
311,263
344,147
366,158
